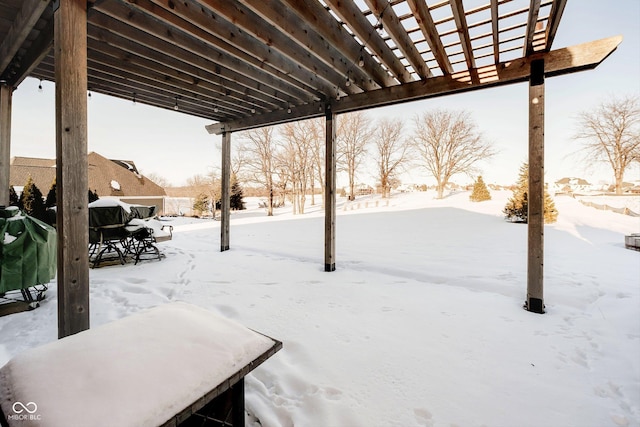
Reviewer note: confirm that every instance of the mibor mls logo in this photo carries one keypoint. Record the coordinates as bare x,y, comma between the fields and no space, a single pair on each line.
24,411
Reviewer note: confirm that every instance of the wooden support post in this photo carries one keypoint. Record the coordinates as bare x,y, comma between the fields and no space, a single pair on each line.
5,142
330,192
237,408
535,300
225,202
71,166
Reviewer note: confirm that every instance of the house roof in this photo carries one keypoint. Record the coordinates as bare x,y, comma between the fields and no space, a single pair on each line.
572,181
107,177
245,64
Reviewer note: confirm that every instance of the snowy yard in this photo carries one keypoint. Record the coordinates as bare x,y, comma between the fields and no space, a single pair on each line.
420,325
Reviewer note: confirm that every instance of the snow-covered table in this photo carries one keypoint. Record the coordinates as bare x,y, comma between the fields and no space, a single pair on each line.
154,368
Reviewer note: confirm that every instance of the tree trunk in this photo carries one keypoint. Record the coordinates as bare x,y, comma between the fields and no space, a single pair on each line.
619,181
270,202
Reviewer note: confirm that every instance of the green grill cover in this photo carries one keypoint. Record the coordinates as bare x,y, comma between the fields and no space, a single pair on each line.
28,250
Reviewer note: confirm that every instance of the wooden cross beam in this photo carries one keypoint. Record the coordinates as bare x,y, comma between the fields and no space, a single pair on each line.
567,60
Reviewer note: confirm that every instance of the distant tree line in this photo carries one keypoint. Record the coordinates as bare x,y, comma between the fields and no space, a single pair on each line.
288,161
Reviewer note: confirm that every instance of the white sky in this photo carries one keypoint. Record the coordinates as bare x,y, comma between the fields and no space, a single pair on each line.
177,146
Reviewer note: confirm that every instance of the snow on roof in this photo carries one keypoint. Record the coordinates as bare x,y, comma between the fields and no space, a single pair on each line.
140,370
110,203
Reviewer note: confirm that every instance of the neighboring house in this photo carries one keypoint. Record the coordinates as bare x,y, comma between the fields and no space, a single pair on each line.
108,178
572,185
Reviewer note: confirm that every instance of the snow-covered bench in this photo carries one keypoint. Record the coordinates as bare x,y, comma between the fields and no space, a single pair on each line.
159,367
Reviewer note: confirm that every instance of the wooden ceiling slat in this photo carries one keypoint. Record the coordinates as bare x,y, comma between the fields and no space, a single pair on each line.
38,50
557,8
248,66
139,71
463,31
213,30
299,30
394,28
124,89
362,28
172,66
270,36
318,18
23,23
425,21
532,22
228,79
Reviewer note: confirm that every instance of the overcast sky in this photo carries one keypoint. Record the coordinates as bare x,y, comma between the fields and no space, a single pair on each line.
177,146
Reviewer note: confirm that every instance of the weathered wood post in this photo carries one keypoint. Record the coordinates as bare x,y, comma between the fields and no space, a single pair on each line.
5,142
330,192
535,262
225,202
70,44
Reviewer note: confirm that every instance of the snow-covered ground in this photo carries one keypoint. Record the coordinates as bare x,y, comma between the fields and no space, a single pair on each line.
626,201
420,325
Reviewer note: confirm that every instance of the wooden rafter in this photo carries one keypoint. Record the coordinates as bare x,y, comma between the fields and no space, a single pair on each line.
532,21
20,28
330,29
227,57
277,42
557,8
299,30
358,23
463,31
425,21
495,31
121,36
394,28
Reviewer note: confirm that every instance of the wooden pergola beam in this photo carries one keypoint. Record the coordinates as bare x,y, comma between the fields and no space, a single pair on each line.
463,32
495,31
558,62
71,166
330,191
535,214
148,46
20,28
6,93
532,21
328,80
361,27
299,29
425,21
557,8
219,52
326,24
384,10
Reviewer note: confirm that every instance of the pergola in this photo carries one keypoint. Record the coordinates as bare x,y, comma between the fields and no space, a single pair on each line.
254,63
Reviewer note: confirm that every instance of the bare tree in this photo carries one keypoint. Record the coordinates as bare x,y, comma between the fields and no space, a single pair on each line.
208,186
449,143
297,158
611,134
158,179
353,134
259,150
392,152
318,153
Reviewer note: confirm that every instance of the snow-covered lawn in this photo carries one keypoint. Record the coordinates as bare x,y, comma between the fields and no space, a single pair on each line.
420,325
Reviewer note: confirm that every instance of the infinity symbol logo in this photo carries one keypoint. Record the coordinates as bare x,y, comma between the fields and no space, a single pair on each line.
20,407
